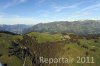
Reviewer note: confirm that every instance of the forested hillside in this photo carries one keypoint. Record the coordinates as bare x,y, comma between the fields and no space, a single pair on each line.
77,27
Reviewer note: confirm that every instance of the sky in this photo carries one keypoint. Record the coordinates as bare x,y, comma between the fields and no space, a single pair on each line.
42,11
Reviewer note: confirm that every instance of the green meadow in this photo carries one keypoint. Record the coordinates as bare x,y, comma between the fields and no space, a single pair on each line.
49,46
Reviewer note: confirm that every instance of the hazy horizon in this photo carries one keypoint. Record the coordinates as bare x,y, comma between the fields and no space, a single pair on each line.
41,22
44,11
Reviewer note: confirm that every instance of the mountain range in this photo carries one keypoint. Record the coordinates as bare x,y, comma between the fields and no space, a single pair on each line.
18,28
77,27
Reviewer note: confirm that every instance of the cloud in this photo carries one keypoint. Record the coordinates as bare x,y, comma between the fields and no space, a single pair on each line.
85,13
6,15
61,8
8,4
95,6
21,1
41,1
13,3
88,10
2,14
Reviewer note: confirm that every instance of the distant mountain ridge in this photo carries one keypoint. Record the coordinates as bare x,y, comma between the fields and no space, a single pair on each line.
77,27
18,28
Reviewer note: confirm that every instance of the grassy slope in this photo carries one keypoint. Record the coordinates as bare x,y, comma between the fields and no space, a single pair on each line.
45,37
5,43
74,51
